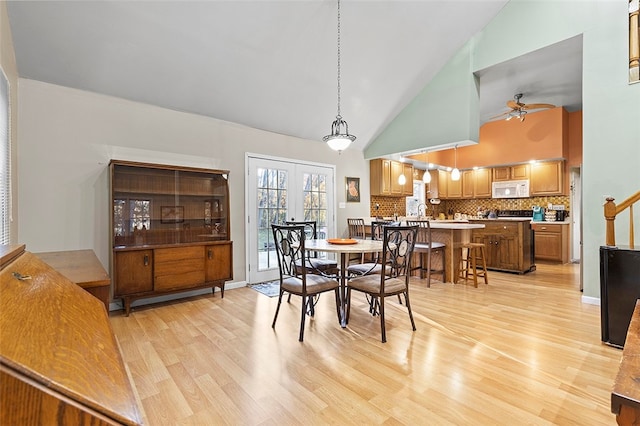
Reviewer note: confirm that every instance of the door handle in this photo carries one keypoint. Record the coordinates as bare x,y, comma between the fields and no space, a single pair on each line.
146,260
210,254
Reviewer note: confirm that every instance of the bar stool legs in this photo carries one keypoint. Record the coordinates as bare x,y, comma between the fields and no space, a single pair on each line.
469,263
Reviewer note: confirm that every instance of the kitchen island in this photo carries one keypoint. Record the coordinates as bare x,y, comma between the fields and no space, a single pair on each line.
509,243
451,233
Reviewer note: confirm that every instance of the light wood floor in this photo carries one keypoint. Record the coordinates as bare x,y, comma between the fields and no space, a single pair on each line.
523,350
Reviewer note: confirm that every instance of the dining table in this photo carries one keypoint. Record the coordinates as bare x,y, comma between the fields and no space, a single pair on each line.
344,247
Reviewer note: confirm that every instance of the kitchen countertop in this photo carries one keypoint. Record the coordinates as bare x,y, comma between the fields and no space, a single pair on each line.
445,224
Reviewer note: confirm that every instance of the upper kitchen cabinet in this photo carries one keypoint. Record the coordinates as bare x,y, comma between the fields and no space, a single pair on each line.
547,178
454,187
384,178
517,172
438,187
476,183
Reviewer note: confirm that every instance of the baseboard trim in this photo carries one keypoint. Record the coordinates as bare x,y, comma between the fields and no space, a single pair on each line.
591,300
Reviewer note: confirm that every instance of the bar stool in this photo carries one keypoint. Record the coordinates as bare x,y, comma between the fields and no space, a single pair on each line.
469,263
425,246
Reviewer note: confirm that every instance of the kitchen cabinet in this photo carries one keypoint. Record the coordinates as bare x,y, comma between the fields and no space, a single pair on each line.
384,175
443,187
552,241
438,185
59,360
508,244
454,187
547,178
516,172
476,183
170,230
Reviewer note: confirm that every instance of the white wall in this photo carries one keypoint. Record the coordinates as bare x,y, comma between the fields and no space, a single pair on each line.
68,137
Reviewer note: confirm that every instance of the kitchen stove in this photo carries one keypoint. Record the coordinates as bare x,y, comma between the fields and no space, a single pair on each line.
561,215
515,213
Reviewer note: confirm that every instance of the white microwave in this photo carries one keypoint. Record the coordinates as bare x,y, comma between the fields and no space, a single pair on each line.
510,189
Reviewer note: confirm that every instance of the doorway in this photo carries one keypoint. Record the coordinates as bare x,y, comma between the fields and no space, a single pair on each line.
277,190
575,214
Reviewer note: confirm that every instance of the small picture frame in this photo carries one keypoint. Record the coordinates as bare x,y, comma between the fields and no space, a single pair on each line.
353,189
171,214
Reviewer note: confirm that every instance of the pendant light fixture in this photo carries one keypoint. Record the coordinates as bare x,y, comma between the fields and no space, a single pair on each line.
455,173
339,139
426,177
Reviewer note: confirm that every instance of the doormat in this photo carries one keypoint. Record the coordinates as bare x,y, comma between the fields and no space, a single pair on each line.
271,289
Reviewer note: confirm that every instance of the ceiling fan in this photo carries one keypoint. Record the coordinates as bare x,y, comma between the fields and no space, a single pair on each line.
519,109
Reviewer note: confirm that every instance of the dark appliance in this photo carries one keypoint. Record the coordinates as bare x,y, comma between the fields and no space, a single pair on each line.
619,290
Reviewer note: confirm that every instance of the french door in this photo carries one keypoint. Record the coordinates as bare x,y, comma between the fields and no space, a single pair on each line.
279,190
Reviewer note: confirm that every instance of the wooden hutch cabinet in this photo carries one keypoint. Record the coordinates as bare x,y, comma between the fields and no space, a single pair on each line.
170,230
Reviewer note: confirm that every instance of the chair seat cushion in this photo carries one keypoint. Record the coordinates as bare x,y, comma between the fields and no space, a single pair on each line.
423,247
315,284
371,284
319,264
365,268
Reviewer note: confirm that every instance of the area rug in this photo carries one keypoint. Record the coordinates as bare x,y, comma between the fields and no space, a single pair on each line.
270,289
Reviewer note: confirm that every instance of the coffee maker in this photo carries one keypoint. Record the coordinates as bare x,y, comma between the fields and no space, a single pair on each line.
538,213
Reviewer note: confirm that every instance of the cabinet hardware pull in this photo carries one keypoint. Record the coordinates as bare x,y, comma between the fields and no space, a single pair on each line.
146,260
210,254
21,277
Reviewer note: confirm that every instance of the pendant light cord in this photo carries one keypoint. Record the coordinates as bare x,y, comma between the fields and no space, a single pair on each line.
338,116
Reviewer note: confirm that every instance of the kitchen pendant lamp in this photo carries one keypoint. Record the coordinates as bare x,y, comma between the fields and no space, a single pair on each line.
426,177
455,173
339,139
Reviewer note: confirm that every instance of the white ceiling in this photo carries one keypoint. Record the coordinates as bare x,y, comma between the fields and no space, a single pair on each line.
272,65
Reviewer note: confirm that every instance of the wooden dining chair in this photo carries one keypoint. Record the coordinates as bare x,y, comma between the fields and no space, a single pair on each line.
425,246
295,279
398,244
356,232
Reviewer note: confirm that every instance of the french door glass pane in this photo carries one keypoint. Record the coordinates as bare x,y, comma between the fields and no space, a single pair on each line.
315,201
272,205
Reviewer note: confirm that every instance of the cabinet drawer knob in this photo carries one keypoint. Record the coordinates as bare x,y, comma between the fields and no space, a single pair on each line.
146,260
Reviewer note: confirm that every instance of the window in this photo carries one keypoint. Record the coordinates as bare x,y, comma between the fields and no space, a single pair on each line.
5,163
140,214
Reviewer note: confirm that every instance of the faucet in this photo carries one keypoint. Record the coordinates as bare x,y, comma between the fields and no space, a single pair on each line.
424,209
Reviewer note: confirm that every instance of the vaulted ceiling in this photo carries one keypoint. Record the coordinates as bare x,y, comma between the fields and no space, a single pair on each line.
272,65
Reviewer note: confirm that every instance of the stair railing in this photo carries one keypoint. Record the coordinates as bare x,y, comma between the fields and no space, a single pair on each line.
611,210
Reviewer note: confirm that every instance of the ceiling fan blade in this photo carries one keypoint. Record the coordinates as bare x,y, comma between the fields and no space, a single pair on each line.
537,106
499,115
514,105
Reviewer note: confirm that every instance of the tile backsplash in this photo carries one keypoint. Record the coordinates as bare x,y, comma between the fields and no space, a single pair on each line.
389,206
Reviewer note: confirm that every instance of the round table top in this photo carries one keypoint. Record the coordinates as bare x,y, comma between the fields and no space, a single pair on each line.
359,247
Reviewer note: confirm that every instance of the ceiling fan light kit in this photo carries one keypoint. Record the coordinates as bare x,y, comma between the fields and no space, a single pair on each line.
339,139
519,109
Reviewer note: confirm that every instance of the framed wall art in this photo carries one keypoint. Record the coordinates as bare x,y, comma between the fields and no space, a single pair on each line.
353,189
172,214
